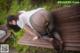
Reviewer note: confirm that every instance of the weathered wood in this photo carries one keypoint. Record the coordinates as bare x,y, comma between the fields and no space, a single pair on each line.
68,22
72,44
3,39
72,48
27,40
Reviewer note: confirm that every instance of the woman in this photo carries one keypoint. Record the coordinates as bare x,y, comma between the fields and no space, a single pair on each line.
35,19
39,20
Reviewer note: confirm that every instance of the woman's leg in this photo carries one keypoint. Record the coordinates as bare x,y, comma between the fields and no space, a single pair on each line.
58,43
39,21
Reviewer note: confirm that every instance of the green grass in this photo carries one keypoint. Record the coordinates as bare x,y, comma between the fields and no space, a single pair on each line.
26,5
3,17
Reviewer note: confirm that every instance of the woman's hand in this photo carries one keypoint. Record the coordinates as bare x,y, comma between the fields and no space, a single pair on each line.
35,38
35,34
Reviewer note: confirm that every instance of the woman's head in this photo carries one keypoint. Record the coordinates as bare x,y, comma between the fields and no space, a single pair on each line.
12,22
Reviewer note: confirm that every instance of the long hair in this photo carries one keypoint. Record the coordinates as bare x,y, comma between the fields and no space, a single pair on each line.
10,26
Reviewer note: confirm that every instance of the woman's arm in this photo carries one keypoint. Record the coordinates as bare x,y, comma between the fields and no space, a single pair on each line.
32,32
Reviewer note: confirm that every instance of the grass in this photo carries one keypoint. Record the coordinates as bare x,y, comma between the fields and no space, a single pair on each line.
26,5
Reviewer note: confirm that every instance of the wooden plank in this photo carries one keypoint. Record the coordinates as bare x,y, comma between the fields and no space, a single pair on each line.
27,40
4,27
72,48
68,22
69,17
72,44
67,12
71,40
4,38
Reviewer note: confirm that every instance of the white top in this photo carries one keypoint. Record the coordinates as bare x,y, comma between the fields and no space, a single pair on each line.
24,17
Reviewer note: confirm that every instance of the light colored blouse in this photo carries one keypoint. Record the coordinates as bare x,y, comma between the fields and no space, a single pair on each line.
24,17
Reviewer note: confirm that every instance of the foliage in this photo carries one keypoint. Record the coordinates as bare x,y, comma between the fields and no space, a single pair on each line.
8,7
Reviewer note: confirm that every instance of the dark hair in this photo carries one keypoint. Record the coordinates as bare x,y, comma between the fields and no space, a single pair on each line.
12,17
14,27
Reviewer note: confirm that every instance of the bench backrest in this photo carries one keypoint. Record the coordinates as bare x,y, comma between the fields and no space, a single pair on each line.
68,23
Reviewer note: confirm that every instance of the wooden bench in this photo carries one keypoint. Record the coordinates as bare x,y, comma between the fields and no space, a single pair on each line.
68,22
27,40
